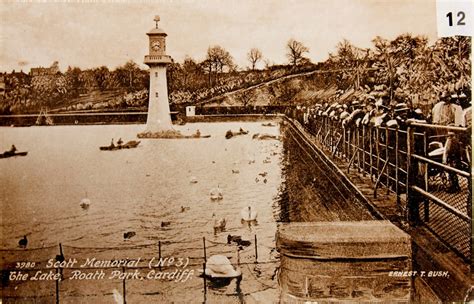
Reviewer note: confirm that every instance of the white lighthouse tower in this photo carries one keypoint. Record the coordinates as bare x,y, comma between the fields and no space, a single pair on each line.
158,119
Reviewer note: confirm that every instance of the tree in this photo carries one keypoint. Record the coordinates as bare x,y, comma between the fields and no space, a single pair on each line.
131,77
217,60
254,56
353,62
295,52
246,97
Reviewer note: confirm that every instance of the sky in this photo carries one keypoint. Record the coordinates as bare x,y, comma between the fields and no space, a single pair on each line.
90,34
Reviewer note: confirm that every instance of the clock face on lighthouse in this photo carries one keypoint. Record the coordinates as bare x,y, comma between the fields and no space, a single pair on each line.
156,45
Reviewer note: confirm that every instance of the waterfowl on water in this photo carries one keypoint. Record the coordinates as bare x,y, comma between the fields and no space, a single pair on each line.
238,240
193,180
129,234
219,224
216,193
60,257
219,266
248,214
233,238
165,224
23,242
263,174
183,208
85,203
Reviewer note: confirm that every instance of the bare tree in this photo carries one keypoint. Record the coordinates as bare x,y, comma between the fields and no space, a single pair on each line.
218,59
254,56
295,51
246,97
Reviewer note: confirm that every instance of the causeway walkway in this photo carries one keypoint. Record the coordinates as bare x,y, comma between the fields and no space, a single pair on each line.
429,254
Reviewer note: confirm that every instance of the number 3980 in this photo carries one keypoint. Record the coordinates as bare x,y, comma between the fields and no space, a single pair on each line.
23,265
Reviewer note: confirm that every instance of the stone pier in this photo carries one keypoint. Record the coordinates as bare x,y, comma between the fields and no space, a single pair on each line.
344,261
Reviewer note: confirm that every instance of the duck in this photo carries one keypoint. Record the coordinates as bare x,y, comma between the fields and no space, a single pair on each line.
216,194
193,180
23,242
235,171
238,240
233,238
263,174
85,203
243,243
129,235
60,257
219,266
183,208
219,224
264,180
248,214
165,224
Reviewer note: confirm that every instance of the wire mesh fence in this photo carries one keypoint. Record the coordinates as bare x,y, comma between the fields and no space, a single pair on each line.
67,274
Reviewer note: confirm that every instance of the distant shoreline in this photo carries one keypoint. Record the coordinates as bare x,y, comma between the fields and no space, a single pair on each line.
121,118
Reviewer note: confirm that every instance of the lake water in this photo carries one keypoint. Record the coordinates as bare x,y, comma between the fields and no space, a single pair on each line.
137,190
143,190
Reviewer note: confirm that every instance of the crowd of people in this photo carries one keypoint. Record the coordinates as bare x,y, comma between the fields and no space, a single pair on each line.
452,109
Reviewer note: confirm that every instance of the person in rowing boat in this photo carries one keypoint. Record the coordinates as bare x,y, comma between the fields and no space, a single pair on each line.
11,151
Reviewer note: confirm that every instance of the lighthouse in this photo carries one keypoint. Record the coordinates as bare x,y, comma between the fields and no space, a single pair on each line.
158,119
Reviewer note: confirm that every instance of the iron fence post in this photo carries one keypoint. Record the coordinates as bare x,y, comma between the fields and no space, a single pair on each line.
363,150
426,202
387,157
396,169
412,197
371,153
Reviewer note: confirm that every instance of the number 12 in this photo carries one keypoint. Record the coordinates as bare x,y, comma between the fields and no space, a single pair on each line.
460,15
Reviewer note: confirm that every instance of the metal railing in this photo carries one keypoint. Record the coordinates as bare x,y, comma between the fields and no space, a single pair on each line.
430,188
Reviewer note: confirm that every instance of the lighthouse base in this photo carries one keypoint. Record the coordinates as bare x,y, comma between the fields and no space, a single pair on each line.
170,134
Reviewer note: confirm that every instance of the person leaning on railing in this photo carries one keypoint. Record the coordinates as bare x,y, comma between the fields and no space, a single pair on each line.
448,112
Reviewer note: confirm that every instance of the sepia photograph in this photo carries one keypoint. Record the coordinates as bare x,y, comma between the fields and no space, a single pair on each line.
236,151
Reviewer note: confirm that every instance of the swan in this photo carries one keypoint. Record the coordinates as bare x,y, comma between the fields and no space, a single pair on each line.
193,180
216,193
85,203
219,266
248,214
23,242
